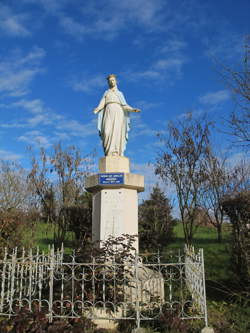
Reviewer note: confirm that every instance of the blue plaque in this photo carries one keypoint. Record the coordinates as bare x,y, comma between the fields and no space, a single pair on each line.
111,178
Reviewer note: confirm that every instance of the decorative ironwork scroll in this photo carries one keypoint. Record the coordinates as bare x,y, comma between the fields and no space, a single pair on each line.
141,289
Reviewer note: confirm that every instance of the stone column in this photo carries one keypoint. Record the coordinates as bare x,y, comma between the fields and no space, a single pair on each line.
115,199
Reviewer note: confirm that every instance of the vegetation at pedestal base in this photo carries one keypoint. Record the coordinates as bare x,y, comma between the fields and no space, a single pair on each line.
181,162
168,321
37,322
155,222
58,180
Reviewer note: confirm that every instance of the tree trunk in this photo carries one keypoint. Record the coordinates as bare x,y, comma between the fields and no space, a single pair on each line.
219,233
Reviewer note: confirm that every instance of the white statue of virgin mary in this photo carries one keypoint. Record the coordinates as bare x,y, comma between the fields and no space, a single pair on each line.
113,119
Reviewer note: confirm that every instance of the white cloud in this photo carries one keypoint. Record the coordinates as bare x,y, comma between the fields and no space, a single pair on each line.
173,45
40,114
225,47
145,12
214,98
171,58
148,171
48,5
13,24
147,105
61,136
51,5
75,128
104,18
142,129
46,119
34,106
9,156
148,74
169,63
18,70
239,158
40,119
36,138
89,84
73,27
173,64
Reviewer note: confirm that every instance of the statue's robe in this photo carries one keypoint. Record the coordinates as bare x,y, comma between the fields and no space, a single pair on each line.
113,123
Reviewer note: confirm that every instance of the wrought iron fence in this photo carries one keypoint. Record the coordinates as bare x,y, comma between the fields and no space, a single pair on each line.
141,288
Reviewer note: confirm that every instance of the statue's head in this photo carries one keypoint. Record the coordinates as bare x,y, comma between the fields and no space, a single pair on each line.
111,78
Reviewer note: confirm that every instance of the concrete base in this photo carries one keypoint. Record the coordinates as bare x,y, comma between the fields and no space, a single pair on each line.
141,330
115,212
115,205
207,330
106,323
114,164
148,286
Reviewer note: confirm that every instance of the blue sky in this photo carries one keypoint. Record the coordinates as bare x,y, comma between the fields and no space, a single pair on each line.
55,55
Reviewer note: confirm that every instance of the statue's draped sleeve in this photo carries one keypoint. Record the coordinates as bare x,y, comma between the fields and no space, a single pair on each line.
100,116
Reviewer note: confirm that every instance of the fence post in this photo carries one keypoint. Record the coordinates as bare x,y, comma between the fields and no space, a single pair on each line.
12,285
51,283
3,281
204,286
137,304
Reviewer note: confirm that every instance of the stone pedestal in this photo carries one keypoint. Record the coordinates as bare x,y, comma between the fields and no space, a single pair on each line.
114,164
115,199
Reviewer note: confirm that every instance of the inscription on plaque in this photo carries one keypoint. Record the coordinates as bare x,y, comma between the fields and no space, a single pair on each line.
112,212
111,178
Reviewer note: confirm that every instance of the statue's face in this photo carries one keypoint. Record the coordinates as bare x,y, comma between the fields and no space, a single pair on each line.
112,82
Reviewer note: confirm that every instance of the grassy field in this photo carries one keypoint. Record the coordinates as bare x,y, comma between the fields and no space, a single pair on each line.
217,256
43,237
218,270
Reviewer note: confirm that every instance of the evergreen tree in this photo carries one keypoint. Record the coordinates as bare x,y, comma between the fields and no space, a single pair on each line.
155,221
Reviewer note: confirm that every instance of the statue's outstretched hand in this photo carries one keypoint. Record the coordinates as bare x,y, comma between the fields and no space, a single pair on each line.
96,110
136,110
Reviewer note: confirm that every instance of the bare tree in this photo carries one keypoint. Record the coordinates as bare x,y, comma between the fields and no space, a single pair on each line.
15,190
181,162
238,82
18,210
58,180
239,180
215,188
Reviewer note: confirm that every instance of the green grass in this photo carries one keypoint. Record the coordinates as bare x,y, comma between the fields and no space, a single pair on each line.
216,255
43,237
228,308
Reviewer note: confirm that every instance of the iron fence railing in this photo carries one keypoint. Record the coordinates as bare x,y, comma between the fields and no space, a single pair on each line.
142,288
